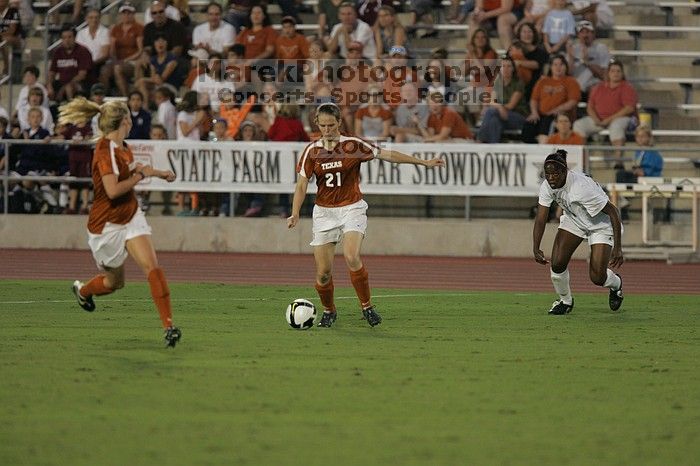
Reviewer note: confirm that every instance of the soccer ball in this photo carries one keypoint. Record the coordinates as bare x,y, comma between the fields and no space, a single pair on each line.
301,314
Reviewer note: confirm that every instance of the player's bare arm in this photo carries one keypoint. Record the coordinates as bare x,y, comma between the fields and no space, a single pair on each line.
297,201
538,232
395,156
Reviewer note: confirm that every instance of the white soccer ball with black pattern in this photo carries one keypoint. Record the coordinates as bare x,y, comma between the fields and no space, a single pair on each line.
301,314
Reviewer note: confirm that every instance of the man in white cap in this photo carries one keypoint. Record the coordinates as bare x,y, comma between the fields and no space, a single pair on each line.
588,58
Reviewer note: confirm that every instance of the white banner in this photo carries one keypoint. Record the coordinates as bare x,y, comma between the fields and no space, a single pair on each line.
270,167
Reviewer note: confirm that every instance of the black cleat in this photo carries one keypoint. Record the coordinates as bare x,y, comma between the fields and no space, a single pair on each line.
86,303
615,298
559,308
328,319
172,336
371,316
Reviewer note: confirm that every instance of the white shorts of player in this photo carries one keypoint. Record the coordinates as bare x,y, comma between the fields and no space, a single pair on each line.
604,235
330,223
109,247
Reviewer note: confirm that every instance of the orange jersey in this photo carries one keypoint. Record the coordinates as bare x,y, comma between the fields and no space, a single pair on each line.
291,49
574,139
109,158
337,171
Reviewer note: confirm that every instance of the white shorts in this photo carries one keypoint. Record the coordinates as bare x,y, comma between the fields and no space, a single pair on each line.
109,247
604,235
330,223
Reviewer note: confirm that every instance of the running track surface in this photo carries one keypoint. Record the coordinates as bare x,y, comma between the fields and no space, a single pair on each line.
411,272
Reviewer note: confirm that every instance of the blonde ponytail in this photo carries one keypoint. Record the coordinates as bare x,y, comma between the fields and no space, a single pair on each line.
81,110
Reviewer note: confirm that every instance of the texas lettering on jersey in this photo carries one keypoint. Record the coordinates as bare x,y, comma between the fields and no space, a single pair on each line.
337,171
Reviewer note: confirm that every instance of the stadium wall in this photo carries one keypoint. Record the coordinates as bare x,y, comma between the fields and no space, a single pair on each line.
385,236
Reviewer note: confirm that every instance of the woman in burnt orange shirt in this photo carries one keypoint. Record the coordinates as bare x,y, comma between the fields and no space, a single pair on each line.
117,227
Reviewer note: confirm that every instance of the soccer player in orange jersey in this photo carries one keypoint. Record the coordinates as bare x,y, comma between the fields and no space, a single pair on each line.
340,211
116,226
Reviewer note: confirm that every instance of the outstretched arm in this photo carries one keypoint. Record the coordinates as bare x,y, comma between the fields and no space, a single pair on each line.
616,258
538,232
395,156
297,201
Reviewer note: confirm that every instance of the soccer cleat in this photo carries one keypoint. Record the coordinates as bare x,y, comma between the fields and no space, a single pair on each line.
371,316
615,298
560,308
86,303
327,319
172,336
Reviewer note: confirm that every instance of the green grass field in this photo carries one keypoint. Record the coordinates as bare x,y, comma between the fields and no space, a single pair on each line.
447,379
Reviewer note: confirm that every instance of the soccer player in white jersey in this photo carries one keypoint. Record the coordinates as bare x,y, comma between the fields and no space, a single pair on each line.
340,212
589,215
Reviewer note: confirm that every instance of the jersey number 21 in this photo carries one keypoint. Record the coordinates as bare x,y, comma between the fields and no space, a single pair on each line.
333,179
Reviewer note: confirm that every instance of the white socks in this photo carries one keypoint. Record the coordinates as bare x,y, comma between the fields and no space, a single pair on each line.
561,285
613,282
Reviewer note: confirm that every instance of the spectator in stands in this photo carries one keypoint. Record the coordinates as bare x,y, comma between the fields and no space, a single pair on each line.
287,127
597,12
496,14
508,109
535,12
439,76
163,25
198,65
564,135
368,10
189,116
249,131
158,133
169,11
140,117
79,162
214,36
409,115
351,29
459,13
559,27
70,64
258,37
125,50
396,72
32,161
97,95
388,32
235,113
350,87
328,17
529,56
238,12
4,124
10,31
290,46
95,37
374,119
219,129
36,100
646,162
588,58
444,124
611,105
166,115
555,93
159,70
30,79
479,47
314,76
210,84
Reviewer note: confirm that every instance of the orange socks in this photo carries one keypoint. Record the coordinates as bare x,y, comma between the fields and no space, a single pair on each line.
95,287
161,295
360,281
325,292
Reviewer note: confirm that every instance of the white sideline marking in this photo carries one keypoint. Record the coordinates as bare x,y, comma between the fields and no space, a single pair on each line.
383,296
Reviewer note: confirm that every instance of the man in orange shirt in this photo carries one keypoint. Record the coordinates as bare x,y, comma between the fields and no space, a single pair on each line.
290,48
444,124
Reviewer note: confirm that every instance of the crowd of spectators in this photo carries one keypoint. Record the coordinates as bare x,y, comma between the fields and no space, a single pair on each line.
181,79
